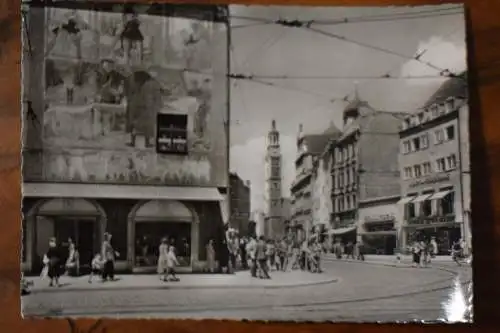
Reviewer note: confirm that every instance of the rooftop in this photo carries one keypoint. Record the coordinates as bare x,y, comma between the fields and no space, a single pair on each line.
453,87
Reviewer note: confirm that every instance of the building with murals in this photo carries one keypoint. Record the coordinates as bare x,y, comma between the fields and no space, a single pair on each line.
240,204
435,168
122,132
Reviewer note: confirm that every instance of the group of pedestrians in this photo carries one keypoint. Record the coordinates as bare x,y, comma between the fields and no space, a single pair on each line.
351,250
64,259
423,251
261,256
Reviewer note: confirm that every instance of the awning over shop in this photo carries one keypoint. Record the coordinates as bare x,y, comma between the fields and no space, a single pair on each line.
422,197
341,231
99,191
439,195
406,200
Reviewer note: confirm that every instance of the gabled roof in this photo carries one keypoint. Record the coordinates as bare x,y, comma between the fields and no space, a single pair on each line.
453,87
332,130
316,143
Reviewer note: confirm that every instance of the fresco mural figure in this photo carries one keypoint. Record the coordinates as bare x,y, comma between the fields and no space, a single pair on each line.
106,109
131,37
144,102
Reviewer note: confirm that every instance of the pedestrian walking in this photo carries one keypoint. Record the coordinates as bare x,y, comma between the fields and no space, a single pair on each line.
73,261
162,259
211,256
261,257
360,250
295,255
317,252
243,254
425,253
433,248
282,255
53,262
172,262
271,254
251,249
233,248
109,254
337,249
96,266
349,251
416,251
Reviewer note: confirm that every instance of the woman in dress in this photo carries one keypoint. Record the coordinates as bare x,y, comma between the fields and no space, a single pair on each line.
211,256
162,259
53,262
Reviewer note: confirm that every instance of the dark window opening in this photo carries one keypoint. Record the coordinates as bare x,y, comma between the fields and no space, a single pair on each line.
410,210
416,143
447,205
427,208
450,132
172,134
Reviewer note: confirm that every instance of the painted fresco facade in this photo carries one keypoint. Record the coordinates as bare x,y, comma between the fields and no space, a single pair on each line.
98,84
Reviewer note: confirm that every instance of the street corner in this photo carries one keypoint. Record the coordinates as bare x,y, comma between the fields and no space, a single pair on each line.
238,280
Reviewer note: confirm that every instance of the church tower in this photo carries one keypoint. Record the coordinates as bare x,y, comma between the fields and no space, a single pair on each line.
274,226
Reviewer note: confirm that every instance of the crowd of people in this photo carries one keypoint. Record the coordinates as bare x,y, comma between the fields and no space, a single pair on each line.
258,255
261,256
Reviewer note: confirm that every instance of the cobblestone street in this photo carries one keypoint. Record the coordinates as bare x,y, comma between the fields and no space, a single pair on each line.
350,291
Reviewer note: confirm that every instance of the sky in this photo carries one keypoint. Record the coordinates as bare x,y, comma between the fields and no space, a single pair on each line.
270,49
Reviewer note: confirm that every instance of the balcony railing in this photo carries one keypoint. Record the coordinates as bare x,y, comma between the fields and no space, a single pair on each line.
425,220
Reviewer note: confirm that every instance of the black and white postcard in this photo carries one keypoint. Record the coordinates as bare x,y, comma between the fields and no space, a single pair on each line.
246,162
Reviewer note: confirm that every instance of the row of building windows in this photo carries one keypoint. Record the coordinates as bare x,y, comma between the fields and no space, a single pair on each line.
421,142
345,153
345,203
442,164
432,112
346,177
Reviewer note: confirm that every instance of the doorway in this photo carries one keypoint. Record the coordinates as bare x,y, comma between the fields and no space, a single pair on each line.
148,236
83,232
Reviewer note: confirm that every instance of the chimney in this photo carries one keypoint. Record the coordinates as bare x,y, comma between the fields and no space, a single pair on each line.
248,183
301,130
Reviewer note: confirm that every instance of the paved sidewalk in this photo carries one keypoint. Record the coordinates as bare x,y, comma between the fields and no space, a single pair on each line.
391,260
187,281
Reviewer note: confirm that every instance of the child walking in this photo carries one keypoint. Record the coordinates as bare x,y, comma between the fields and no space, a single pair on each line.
171,263
96,266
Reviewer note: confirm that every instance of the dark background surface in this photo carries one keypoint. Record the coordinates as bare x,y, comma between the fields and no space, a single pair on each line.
484,67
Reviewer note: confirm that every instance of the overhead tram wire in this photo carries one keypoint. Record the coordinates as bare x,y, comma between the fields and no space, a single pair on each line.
307,26
367,18
347,21
443,71
335,77
250,25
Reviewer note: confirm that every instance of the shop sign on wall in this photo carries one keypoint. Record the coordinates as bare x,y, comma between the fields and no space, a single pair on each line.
431,180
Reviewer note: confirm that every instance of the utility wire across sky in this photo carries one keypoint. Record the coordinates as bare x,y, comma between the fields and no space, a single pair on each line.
430,13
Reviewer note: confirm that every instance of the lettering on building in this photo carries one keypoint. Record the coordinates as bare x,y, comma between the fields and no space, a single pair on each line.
430,180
